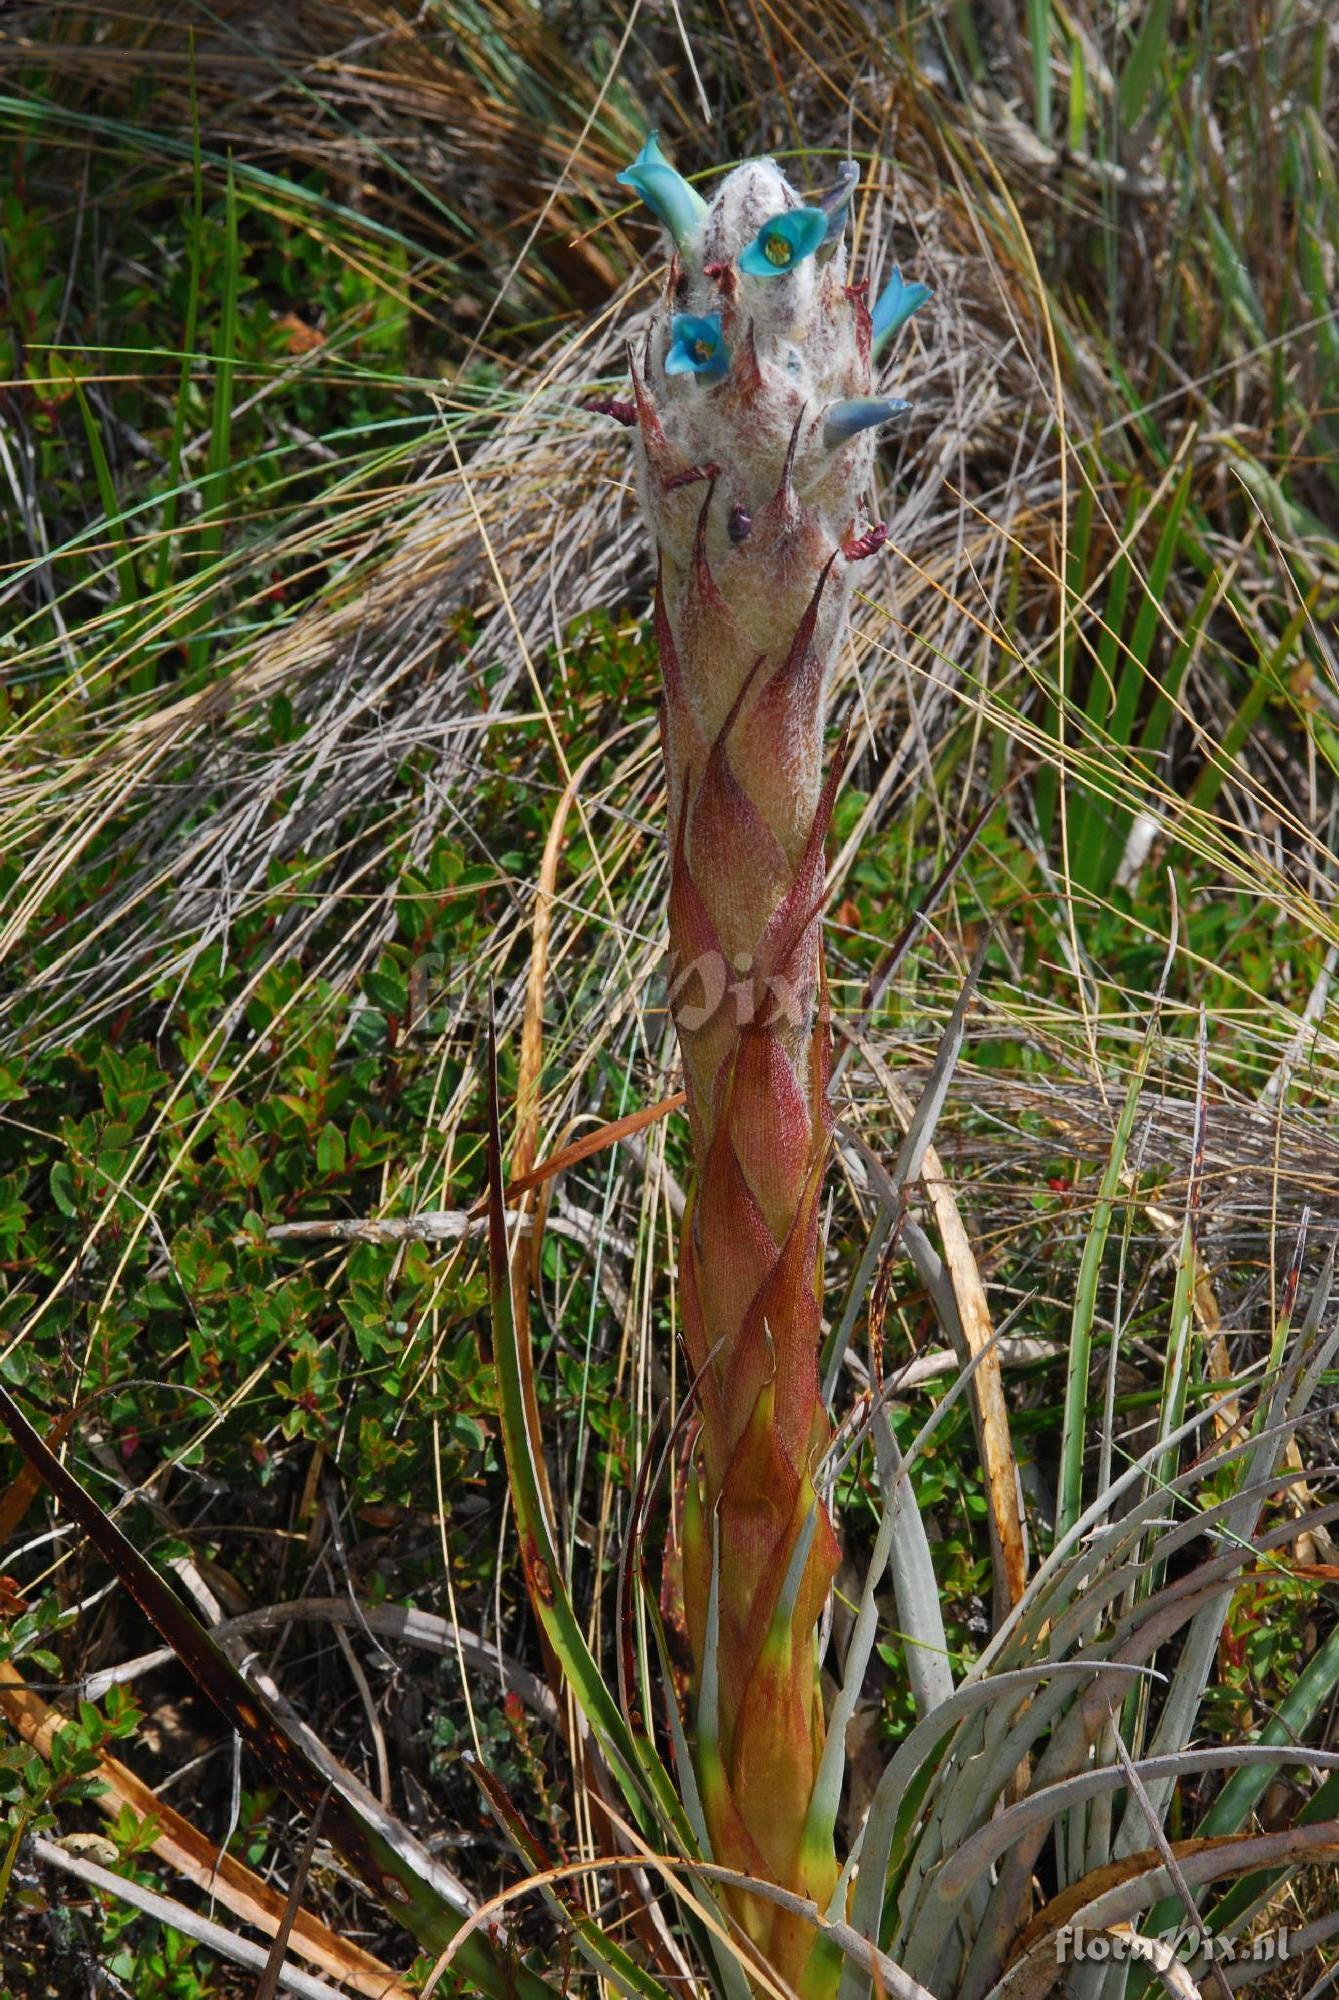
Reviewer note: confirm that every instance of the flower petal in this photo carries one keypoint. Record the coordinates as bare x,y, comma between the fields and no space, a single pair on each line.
665,191
896,303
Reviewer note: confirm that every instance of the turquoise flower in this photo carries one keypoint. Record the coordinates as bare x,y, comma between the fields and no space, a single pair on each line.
665,191
697,346
896,303
784,242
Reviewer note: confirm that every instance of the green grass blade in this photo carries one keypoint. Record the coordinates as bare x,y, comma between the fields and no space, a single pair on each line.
1266,681
195,261
122,559
964,27
1154,733
1076,1427
215,486
1076,120
11,1855
1046,783
1293,1717
35,116
1137,670
1143,62
1234,284
1089,813
1151,610
1039,36
602,1951
1176,1373
1236,1906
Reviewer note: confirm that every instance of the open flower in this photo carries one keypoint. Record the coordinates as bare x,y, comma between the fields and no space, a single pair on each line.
665,191
697,346
784,242
896,303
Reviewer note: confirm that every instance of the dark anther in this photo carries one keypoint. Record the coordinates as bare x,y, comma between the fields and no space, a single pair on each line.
739,525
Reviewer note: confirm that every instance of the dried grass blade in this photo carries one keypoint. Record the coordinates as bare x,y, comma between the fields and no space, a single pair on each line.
588,1144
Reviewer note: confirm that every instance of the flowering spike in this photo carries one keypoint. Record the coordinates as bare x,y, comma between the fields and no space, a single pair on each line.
783,243
665,191
697,346
896,303
835,202
848,418
752,599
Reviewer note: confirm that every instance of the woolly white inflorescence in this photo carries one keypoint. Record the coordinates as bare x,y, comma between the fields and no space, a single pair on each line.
797,344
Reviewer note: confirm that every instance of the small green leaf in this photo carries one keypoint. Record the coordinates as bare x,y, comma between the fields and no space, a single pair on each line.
62,1189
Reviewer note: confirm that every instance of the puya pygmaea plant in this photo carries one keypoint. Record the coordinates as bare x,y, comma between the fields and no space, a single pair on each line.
755,413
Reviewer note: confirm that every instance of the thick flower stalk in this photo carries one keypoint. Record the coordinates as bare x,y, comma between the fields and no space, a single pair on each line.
755,415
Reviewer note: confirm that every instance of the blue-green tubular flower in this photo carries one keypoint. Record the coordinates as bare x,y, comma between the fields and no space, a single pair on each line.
784,242
665,191
697,346
847,419
896,303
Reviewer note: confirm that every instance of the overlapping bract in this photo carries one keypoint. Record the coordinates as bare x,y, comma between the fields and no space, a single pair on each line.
755,431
